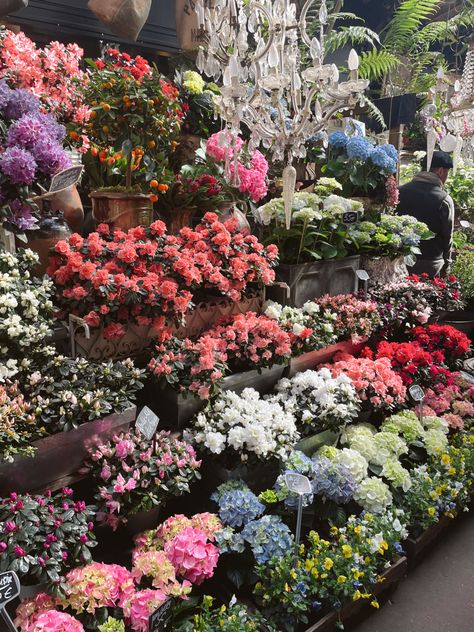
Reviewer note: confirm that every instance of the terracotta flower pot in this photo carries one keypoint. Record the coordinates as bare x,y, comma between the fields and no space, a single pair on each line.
69,203
121,210
51,230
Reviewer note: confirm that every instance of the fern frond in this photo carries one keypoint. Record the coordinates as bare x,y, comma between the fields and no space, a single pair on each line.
375,113
406,21
375,64
350,35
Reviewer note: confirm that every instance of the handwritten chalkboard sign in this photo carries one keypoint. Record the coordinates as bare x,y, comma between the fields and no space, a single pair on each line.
350,217
297,483
147,422
9,587
161,619
65,179
416,393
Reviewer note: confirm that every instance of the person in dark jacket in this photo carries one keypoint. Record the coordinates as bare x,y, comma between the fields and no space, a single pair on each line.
425,199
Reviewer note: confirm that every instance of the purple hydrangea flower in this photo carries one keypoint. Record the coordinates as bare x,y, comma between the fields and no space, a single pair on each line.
18,165
21,102
21,215
31,128
5,94
50,156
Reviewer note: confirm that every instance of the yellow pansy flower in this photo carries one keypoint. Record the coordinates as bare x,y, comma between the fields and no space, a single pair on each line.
346,551
357,595
328,563
341,579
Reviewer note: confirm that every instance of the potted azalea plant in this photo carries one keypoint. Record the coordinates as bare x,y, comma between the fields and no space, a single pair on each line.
42,537
135,477
134,122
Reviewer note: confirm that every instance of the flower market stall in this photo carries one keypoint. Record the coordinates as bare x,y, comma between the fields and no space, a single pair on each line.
226,402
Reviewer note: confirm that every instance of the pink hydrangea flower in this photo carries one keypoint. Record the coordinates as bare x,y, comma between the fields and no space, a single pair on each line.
193,557
140,606
55,621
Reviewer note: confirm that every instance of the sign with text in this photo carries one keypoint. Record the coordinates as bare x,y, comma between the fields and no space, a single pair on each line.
362,275
416,392
161,619
9,587
297,483
147,422
350,217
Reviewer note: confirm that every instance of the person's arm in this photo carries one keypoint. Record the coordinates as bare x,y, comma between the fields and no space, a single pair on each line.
447,227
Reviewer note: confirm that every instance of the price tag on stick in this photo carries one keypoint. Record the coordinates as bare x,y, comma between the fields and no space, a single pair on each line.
161,619
417,394
363,276
61,181
350,217
300,485
9,590
147,422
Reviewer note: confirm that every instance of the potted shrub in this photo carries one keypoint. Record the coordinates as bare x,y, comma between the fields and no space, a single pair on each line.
42,537
135,477
135,120
314,252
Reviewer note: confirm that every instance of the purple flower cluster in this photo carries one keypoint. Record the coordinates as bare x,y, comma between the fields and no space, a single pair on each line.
32,151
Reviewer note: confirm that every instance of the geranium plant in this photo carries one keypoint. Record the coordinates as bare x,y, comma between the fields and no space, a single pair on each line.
134,474
41,537
33,153
135,119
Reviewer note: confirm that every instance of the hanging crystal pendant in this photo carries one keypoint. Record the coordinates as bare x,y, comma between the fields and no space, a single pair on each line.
289,184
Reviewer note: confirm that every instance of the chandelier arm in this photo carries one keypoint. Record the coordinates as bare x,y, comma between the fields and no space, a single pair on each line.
302,22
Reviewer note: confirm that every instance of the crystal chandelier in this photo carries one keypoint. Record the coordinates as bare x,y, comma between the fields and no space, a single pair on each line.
460,119
274,77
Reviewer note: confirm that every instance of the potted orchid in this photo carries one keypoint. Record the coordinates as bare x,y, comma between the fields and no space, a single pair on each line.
44,536
135,477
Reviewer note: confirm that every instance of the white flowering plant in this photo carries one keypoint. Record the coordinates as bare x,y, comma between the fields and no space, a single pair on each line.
317,229
25,309
318,400
310,327
244,427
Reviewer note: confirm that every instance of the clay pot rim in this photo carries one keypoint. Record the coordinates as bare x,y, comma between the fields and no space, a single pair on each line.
118,195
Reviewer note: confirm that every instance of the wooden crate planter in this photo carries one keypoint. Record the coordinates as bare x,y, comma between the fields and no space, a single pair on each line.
417,548
307,281
59,457
356,611
175,410
138,338
312,359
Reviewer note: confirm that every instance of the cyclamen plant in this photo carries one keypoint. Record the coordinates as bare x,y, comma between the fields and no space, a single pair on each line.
134,474
41,537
